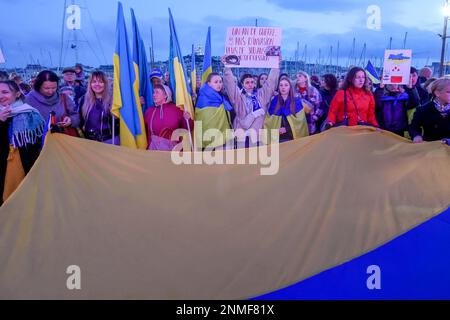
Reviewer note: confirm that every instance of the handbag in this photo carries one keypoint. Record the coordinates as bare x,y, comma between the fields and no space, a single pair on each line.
160,143
344,122
360,122
70,131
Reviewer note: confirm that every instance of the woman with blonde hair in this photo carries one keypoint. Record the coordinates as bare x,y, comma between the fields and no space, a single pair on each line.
431,121
95,111
305,90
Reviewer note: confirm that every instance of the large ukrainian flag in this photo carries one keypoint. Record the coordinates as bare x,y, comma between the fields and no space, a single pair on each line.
207,64
178,80
140,66
126,105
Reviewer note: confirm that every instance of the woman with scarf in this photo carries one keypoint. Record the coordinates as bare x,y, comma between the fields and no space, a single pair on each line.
431,121
249,103
163,119
287,113
45,98
21,129
213,110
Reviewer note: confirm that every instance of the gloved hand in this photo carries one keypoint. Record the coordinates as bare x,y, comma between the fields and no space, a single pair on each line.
258,113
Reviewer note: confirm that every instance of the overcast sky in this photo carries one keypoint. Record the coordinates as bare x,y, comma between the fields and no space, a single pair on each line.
30,30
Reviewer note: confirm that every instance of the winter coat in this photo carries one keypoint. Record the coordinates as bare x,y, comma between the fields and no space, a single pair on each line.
54,103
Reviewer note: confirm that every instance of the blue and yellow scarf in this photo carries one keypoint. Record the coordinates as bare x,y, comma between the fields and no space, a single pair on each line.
297,121
213,110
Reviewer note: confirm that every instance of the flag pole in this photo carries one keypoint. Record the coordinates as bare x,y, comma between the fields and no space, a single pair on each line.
190,134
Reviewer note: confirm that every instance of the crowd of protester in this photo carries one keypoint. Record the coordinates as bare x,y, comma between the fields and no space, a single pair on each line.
296,105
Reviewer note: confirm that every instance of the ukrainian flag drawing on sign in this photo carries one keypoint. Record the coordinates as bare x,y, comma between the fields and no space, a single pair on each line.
126,105
207,65
178,80
140,65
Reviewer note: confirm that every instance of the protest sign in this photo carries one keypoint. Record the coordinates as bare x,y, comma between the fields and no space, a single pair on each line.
397,66
252,47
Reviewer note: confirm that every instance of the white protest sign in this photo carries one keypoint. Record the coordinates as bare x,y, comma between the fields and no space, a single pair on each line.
252,47
2,57
397,66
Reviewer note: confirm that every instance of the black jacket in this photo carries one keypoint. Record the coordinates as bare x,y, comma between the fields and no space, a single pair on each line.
4,150
429,123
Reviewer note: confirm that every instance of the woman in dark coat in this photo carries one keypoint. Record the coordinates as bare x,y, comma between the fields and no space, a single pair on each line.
431,121
21,129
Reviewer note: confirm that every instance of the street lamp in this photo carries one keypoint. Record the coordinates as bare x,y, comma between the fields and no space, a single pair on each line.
446,12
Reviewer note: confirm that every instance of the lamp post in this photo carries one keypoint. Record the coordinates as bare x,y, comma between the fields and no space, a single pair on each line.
446,11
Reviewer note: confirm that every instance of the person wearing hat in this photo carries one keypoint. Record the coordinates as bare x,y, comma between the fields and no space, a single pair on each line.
163,119
69,77
156,77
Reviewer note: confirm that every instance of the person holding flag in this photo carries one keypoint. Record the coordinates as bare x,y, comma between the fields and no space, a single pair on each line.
126,102
163,119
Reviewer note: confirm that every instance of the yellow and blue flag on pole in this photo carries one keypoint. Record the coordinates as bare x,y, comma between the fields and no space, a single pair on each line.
126,105
140,65
207,64
372,73
178,81
193,73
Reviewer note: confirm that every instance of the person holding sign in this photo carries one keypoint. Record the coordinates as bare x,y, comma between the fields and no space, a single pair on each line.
354,104
431,121
250,104
287,113
393,102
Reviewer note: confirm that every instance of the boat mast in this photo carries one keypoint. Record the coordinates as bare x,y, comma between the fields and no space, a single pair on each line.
62,37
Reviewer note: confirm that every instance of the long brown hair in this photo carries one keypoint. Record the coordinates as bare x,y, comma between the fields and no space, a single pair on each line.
291,95
89,98
351,75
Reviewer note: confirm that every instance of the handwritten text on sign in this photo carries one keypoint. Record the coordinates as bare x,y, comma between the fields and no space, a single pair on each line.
253,47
